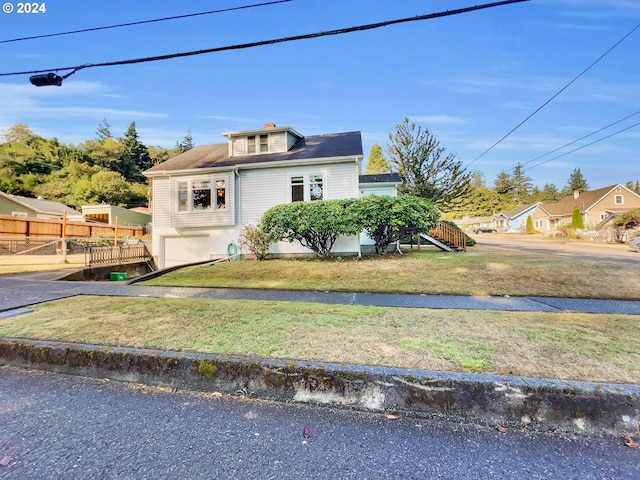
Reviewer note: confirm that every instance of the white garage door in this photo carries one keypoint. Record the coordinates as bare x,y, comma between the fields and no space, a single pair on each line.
185,249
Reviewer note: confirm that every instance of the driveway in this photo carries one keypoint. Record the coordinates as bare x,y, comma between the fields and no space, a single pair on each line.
610,252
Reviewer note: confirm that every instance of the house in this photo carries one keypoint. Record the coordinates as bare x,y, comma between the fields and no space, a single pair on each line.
515,220
598,207
111,214
19,206
202,198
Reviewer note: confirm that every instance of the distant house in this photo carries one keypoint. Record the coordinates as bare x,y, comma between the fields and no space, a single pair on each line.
204,197
111,213
516,219
597,207
19,206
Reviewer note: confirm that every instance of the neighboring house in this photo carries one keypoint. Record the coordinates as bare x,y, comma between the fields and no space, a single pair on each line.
598,207
515,220
202,198
18,206
493,221
110,214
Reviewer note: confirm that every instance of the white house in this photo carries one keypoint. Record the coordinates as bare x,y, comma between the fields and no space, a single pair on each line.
203,197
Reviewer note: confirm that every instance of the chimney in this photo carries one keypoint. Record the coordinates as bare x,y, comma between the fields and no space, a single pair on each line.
576,194
269,125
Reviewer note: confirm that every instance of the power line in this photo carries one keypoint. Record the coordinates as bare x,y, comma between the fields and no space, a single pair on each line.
176,17
555,95
582,138
585,146
274,41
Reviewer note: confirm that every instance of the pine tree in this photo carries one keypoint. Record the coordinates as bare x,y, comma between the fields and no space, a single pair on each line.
502,183
136,156
377,162
521,185
576,183
186,143
104,130
426,171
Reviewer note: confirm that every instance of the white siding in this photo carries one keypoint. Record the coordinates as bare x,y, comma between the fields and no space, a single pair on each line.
207,218
238,146
291,140
277,142
162,202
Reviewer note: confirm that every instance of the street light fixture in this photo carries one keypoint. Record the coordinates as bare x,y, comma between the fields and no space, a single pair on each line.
47,79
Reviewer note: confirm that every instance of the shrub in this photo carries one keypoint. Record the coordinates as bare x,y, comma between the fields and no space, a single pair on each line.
387,219
316,225
530,229
255,240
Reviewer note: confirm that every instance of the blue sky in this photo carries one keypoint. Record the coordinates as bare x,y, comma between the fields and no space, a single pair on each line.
468,78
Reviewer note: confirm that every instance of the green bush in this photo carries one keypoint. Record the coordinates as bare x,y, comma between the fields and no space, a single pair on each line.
255,240
387,219
316,225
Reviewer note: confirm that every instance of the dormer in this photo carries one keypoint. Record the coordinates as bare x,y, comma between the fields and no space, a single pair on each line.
270,139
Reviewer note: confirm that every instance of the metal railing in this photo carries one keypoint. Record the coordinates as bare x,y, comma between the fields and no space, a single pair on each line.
117,254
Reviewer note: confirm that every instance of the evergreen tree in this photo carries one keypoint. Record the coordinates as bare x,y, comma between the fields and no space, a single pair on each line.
520,185
104,130
576,183
186,143
502,183
530,228
377,162
424,168
136,157
576,220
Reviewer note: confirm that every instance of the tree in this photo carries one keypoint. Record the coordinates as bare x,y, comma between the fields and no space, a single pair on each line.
136,157
104,130
377,162
530,228
316,225
576,183
576,219
386,219
520,185
630,219
502,183
186,143
424,168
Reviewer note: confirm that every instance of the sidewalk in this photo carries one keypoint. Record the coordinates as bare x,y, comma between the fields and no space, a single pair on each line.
574,408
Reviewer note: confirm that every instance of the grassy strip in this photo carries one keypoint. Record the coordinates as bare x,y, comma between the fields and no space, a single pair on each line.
550,345
481,271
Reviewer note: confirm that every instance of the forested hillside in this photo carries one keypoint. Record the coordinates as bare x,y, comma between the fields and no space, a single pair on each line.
101,170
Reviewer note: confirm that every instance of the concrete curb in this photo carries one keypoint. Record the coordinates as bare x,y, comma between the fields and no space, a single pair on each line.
540,405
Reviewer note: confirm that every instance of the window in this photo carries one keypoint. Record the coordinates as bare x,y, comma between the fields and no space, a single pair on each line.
539,224
201,194
604,216
257,144
315,187
523,222
297,189
264,143
221,194
618,199
251,144
183,197
304,189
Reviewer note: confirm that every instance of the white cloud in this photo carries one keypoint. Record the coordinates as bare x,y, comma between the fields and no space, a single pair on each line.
439,119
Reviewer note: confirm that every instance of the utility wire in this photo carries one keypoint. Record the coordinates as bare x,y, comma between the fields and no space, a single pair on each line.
584,146
176,17
582,138
274,41
555,95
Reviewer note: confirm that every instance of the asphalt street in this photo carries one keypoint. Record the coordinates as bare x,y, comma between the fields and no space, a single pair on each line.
61,427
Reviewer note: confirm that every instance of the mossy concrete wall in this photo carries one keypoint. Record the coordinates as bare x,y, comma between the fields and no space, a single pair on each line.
529,404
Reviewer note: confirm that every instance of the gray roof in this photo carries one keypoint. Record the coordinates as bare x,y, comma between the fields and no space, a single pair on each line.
317,146
381,178
40,205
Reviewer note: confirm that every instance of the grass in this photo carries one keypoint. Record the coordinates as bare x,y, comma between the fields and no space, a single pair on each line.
550,345
481,271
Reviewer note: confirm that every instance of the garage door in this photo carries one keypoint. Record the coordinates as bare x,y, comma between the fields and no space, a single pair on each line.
185,249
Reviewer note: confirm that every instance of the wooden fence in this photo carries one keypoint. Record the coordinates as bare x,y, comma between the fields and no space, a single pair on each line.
52,228
117,254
